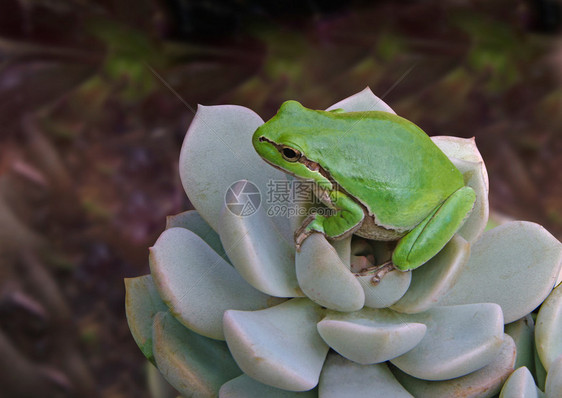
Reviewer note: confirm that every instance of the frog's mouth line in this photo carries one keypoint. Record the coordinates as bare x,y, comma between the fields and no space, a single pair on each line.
309,164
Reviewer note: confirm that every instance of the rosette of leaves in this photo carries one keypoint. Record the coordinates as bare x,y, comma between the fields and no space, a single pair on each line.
230,309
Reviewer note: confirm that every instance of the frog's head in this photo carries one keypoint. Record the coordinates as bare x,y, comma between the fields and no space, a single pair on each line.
282,141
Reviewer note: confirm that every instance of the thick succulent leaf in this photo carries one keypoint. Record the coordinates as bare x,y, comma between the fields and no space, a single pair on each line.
279,346
368,253
463,149
548,331
324,278
157,385
362,101
197,284
142,303
520,385
341,378
553,385
260,253
465,156
540,371
372,251
389,290
522,332
514,265
370,335
459,340
217,152
246,387
343,248
473,174
435,278
195,365
193,221
483,383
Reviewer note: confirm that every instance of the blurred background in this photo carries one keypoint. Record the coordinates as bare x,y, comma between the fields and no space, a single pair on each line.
90,133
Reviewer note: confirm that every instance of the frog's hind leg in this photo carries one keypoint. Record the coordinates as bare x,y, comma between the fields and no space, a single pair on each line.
429,237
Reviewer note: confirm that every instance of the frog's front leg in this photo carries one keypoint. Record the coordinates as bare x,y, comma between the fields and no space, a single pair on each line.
348,218
429,237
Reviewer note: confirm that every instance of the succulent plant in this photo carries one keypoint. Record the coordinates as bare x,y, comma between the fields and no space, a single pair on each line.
230,309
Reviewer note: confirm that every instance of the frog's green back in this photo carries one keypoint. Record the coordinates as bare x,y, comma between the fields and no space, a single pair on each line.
401,174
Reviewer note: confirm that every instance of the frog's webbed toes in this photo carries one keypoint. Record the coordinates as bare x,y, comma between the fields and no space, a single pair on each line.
304,231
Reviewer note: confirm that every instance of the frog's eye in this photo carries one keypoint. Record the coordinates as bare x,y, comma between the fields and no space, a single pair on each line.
290,154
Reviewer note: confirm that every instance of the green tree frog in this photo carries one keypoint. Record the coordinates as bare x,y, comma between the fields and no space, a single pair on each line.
382,175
